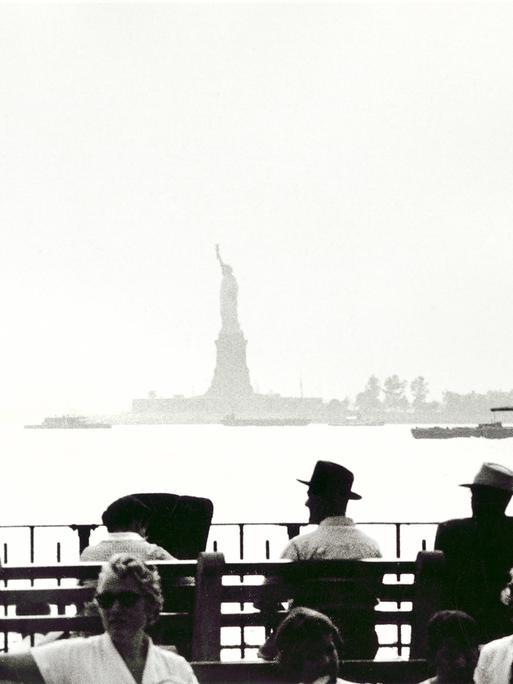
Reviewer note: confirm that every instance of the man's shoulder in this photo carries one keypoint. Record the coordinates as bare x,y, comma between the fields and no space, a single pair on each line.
336,542
465,524
455,524
155,552
298,544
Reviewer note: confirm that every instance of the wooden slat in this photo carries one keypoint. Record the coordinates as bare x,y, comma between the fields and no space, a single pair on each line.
166,569
389,617
54,595
387,672
65,623
248,593
346,568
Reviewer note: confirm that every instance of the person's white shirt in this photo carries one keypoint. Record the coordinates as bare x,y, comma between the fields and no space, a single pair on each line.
495,662
95,659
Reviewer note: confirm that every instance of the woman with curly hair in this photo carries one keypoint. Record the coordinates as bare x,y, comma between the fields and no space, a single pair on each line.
129,599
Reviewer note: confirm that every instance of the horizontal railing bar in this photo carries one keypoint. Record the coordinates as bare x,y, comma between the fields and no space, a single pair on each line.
228,524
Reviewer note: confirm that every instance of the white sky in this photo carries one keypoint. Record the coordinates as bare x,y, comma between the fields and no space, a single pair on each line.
354,161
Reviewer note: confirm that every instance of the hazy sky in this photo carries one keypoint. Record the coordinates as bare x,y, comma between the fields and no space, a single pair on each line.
354,161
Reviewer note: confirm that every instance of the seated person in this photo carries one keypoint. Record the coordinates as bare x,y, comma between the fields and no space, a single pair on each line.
479,552
329,491
452,647
495,664
126,520
307,646
129,600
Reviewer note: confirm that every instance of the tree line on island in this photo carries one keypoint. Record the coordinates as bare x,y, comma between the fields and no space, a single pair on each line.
399,400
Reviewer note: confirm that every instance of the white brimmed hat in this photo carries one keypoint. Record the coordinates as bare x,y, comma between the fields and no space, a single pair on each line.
493,475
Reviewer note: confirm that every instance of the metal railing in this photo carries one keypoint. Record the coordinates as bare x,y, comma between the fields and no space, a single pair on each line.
235,543
31,544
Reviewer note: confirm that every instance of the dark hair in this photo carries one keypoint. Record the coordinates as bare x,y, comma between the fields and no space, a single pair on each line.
451,624
124,511
305,623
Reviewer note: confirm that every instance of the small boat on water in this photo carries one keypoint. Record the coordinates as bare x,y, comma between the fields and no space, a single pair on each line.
67,423
232,421
494,430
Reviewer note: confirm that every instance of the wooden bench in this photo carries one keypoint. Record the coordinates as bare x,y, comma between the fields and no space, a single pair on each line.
386,672
194,614
22,600
219,600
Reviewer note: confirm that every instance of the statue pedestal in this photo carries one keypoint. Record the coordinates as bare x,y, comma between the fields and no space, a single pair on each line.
231,376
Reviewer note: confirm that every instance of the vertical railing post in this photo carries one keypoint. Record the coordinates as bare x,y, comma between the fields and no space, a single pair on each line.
293,529
206,631
427,599
241,541
31,533
84,532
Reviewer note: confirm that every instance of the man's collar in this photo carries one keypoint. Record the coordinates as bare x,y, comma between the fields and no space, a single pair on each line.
125,535
336,520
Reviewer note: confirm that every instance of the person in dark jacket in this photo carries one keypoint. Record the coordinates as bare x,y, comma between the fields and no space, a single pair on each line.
479,552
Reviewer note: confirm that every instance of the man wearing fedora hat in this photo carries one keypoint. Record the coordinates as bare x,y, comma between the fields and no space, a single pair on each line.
330,488
479,552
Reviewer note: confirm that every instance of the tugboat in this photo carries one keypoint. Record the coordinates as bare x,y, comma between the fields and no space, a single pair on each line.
494,430
66,423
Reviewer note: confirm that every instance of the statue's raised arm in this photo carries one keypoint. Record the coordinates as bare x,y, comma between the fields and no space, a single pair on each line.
229,290
223,265
218,255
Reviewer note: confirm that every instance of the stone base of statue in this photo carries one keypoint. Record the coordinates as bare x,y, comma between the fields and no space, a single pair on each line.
231,376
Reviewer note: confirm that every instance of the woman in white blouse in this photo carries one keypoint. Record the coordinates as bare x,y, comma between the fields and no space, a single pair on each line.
129,599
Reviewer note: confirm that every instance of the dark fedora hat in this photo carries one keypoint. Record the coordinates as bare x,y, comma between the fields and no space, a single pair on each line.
331,480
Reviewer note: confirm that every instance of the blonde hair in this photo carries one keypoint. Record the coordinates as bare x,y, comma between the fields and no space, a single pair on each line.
124,566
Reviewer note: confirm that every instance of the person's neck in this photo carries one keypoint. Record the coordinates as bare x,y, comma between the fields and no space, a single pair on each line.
137,646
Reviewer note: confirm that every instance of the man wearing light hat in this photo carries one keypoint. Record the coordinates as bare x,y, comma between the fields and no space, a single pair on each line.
479,552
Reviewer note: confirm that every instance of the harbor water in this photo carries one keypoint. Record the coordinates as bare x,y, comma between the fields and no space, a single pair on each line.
59,477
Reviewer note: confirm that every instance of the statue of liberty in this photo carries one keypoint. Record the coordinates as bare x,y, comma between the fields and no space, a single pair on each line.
229,293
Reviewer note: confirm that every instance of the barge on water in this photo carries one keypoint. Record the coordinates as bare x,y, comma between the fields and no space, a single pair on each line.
493,430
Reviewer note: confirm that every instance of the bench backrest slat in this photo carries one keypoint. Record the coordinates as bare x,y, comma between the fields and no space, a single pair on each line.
386,672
